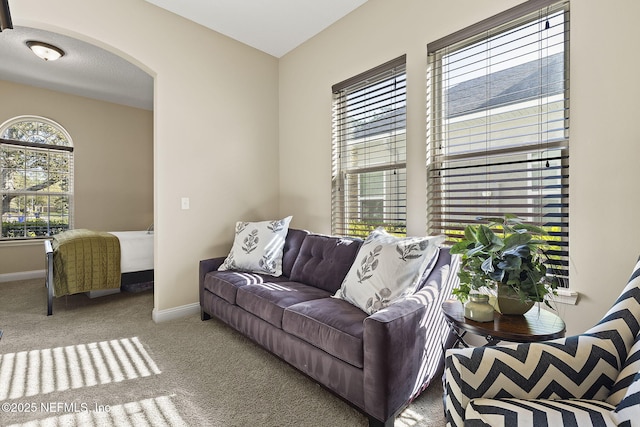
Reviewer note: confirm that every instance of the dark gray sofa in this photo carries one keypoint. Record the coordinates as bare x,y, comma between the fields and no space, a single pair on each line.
378,363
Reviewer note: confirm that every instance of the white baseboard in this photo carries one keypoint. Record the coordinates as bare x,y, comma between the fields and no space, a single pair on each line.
175,313
22,275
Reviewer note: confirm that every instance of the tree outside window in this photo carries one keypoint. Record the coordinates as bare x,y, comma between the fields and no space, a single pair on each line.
36,178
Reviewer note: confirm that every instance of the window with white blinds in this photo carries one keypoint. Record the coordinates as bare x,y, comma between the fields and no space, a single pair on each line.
498,119
369,177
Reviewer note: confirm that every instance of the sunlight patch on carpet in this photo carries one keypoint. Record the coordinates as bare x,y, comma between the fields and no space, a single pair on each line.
157,411
29,373
408,418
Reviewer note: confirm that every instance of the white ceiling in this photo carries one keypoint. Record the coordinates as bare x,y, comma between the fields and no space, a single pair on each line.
273,26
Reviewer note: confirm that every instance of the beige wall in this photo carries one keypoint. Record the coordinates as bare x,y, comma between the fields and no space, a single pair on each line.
215,126
221,108
604,135
113,161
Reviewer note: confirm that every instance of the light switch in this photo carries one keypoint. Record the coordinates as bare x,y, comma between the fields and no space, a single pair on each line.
185,203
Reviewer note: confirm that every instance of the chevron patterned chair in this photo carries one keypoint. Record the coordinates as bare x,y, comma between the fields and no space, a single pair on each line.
591,379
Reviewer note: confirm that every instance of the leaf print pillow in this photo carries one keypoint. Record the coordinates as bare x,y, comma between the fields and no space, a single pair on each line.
387,268
258,247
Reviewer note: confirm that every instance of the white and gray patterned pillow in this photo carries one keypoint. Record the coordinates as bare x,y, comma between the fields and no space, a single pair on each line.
258,247
386,269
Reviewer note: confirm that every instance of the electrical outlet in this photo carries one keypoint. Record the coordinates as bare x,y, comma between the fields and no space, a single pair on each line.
185,203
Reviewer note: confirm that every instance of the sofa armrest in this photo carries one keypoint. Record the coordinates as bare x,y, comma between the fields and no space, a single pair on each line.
391,354
404,343
581,366
403,350
207,265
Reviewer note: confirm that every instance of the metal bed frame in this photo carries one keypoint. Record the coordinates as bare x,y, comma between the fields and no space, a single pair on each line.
48,249
126,278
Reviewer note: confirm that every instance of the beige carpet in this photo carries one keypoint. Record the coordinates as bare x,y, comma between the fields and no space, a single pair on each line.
104,362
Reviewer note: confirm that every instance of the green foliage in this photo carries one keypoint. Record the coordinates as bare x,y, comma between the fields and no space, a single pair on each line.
362,229
37,180
505,251
33,228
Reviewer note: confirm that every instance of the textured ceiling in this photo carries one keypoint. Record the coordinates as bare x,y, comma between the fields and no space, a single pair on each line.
85,70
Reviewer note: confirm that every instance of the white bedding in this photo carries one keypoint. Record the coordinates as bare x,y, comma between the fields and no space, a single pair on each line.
136,250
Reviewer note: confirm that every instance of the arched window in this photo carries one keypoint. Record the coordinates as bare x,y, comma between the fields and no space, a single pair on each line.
36,178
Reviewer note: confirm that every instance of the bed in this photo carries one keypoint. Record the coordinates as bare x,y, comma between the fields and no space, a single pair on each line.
97,263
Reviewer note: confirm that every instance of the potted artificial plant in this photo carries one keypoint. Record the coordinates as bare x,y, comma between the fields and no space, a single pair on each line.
504,258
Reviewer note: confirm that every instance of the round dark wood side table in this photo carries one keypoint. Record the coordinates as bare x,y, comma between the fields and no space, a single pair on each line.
536,325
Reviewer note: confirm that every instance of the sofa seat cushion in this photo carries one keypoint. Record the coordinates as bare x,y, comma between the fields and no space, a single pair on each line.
513,412
225,284
330,324
268,300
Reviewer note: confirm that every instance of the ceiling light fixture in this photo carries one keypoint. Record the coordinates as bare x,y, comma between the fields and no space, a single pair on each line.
46,51
5,16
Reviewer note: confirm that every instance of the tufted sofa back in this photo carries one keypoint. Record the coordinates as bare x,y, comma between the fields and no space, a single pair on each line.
292,245
324,261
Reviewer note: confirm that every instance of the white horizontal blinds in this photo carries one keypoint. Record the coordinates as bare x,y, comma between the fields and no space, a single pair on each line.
499,125
369,152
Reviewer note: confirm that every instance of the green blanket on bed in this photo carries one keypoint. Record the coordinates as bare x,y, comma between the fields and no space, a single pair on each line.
85,260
